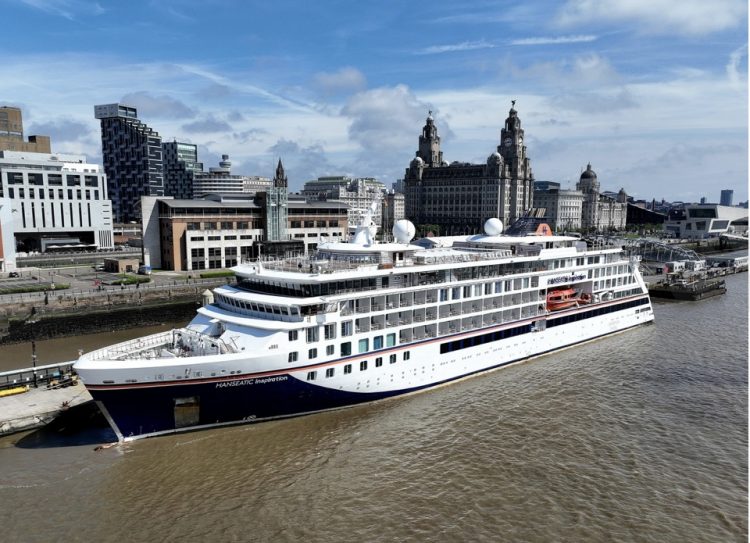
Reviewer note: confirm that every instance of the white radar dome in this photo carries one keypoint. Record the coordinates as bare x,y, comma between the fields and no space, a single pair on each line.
403,231
493,227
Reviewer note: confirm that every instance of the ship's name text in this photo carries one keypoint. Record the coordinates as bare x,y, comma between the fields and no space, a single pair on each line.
261,381
566,279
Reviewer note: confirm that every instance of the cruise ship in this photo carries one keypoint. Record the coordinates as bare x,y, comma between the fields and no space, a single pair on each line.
362,321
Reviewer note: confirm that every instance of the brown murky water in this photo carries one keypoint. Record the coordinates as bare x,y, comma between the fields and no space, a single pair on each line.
639,437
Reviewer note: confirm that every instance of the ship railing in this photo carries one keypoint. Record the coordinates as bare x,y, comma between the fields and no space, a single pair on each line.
171,344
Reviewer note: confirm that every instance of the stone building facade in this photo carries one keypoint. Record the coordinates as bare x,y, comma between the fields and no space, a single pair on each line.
599,213
459,197
562,207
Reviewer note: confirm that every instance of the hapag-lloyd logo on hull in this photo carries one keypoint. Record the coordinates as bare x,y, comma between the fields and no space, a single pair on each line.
566,279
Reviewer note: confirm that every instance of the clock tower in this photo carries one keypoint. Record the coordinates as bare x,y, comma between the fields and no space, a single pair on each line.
513,151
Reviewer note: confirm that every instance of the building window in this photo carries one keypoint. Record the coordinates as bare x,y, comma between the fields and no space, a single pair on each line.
311,375
392,359
363,365
346,348
378,361
348,368
293,335
329,372
312,353
293,356
329,350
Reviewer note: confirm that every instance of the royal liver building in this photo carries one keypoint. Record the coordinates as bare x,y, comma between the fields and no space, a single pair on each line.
460,196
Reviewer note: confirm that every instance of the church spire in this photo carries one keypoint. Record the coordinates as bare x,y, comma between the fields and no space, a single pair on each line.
280,179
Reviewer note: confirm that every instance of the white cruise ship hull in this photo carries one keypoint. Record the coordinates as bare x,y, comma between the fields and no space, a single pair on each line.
235,388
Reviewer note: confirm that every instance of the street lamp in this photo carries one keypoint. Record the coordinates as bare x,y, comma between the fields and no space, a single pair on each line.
31,322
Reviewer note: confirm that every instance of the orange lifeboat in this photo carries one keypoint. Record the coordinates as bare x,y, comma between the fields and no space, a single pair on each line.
564,298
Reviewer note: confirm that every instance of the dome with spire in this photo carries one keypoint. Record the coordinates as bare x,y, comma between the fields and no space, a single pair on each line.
589,173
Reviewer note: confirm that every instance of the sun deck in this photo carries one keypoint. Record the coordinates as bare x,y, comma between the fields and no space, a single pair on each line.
178,343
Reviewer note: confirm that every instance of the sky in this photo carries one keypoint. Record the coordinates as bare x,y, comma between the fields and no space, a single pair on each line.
652,93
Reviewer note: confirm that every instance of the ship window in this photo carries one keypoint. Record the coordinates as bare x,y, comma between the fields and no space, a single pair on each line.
488,288
293,356
390,340
312,353
378,361
498,287
346,328
467,291
392,359
364,345
377,342
311,375
329,331
329,372
329,350
456,293
348,368
312,334
407,355
363,365
346,348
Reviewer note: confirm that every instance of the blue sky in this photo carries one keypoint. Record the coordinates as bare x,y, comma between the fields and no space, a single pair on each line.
653,93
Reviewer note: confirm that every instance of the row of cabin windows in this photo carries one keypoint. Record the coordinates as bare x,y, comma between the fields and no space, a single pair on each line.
497,335
414,279
330,372
312,335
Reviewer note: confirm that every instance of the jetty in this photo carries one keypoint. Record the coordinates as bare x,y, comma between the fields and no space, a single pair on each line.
33,397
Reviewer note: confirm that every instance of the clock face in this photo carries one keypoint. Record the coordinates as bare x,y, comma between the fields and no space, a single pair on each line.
508,141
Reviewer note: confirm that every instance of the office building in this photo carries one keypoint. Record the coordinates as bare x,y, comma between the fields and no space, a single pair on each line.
11,133
59,202
562,207
221,180
180,161
459,197
220,230
132,156
727,195
359,194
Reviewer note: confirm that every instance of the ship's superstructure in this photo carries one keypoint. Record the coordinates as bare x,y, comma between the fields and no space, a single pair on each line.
362,321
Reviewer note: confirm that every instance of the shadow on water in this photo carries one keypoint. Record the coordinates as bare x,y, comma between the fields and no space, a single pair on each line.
80,425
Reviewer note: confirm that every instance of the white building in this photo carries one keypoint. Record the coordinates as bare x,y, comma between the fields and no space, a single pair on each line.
57,201
359,194
705,221
563,207
221,181
7,241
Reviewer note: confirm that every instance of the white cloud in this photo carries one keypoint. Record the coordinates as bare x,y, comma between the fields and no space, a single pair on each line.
666,17
452,48
208,124
735,65
559,40
345,80
67,9
157,106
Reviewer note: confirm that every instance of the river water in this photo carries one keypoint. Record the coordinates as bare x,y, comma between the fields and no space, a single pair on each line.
638,437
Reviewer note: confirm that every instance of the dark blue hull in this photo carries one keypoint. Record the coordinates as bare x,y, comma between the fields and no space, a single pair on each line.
142,411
